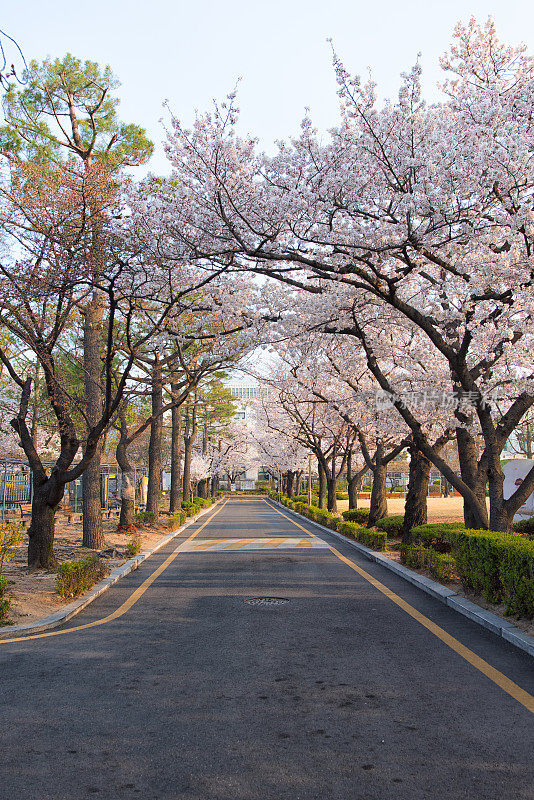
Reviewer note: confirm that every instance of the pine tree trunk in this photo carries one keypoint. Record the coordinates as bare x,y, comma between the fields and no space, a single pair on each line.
175,502
93,534
154,447
415,510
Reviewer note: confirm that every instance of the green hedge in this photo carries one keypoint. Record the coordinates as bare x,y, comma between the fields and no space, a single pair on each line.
76,577
391,525
376,540
499,566
176,520
440,565
356,515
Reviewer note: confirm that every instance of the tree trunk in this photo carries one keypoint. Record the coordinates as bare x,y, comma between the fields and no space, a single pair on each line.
353,487
468,458
500,519
331,484
415,510
322,485
46,498
93,534
188,450
202,488
290,477
214,485
127,517
175,502
379,503
154,447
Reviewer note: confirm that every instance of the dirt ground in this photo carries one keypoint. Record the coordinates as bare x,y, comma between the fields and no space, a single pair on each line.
440,509
33,595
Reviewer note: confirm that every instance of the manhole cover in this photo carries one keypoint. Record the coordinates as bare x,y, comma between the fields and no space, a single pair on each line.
267,601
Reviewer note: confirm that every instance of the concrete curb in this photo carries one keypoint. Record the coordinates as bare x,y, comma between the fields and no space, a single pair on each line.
70,610
492,622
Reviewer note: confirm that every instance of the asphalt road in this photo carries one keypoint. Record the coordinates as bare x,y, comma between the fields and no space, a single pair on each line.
191,692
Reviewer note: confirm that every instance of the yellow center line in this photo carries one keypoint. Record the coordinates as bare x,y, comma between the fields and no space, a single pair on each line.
207,545
131,601
501,680
238,544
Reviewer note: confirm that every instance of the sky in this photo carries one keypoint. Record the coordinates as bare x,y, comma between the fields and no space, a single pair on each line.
190,53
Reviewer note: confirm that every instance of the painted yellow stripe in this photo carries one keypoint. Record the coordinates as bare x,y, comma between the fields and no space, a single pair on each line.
501,680
238,544
131,601
273,543
207,545
304,543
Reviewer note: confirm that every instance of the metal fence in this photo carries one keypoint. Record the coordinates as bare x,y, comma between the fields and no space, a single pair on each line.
16,486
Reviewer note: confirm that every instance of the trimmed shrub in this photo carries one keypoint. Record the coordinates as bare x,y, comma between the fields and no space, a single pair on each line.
341,496
376,540
499,566
76,577
360,515
190,508
440,565
145,517
391,525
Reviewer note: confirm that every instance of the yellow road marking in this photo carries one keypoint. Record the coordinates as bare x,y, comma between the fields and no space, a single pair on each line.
124,607
207,545
273,543
304,543
505,683
238,544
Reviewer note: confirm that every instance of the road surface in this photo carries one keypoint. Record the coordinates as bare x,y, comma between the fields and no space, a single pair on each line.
349,683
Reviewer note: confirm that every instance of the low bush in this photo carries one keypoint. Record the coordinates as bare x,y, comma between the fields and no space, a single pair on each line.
341,496
145,517
376,540
360,515
391,525
190,508
76,577
5,602
176,519
499,566
440,565
134,545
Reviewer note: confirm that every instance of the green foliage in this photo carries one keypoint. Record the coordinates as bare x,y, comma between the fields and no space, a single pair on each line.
525,526
10,538
134,545
376,540
5,602
190,508
341,496
76,577
176,520
440,565
499,566
360,515
391,525
145,517
57,89
303,498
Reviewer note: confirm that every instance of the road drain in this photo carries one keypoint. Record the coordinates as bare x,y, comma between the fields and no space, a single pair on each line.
267,601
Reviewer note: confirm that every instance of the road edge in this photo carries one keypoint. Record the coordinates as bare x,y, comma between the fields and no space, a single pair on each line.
486,619
74,608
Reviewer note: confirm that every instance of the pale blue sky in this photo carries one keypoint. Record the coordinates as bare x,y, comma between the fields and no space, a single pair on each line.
191,52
